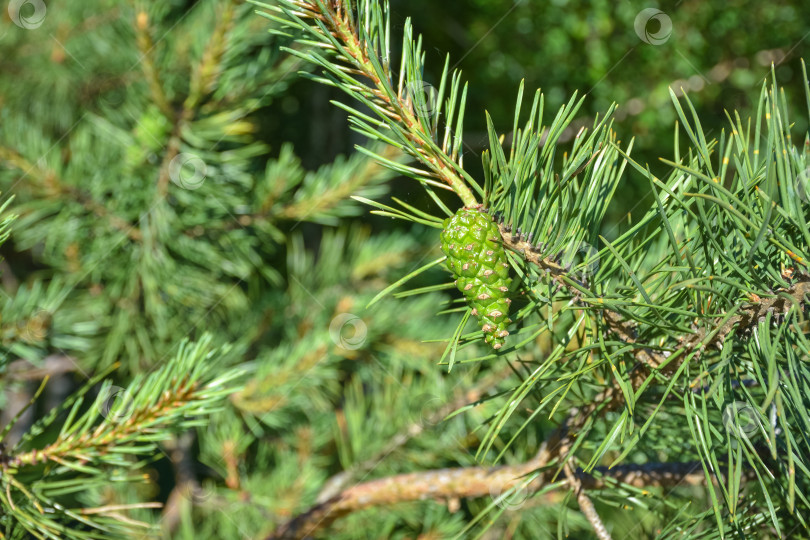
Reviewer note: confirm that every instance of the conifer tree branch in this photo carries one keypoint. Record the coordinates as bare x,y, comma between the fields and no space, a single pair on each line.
750,315
714,335
203,80
54,187
359,35
86,452
470,482
340,191
616,323
207,72
146,47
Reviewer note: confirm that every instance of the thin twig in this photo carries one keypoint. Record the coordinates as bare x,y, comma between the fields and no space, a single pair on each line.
586,505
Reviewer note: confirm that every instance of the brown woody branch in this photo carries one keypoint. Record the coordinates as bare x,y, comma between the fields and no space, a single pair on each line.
468,482
448,484
441,484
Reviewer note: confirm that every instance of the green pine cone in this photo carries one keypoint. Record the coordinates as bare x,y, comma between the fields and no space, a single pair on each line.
471,241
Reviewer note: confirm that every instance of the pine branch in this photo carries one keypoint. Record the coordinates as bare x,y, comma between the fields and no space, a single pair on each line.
688,276
54,188
314,204
146,47
783,299
40,482
471,482
359,37
715,334
202,82
207,72
617,324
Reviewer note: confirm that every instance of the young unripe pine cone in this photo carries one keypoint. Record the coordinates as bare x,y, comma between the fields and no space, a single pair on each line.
471,241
